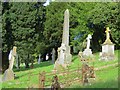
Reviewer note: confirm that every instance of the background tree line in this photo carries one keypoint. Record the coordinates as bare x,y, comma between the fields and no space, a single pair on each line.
36,29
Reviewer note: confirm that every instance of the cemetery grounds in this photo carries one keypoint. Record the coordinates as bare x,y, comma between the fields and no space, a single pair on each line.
106,74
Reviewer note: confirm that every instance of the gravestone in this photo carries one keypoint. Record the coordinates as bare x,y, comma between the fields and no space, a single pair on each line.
47,57
87,51
64,56
39,59
107,48
53,55
9,74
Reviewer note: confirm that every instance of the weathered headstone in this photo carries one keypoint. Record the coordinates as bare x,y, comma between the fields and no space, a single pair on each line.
9,74
64,56
39,59
53,56
87,51
107,48
47,57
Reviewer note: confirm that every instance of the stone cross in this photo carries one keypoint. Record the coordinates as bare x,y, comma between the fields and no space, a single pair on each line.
107,33
12,58
53,55
88,41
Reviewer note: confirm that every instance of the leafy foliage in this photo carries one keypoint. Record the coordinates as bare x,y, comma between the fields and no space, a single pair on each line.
36,29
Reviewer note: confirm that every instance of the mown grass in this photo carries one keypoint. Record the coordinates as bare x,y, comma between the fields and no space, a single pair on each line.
107,78
23,75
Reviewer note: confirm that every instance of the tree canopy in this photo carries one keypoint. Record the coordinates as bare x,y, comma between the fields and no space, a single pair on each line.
36,29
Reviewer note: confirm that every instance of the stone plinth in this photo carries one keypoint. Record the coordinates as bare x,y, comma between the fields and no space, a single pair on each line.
8,75
108,48
87,52
107,52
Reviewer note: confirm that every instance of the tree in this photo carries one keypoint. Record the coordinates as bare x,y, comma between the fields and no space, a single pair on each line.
21,20
102,16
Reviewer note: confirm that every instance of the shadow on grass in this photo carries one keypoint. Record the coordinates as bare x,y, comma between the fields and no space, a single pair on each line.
42,64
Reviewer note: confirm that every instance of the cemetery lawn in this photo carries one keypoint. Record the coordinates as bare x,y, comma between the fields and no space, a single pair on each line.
106,77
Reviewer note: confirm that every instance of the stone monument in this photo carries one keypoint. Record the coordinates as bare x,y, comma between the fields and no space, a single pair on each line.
107,47
9,74
39,59
64,56
87,51
53,55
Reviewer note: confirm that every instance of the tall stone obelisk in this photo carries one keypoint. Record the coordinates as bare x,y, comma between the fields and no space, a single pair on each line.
65,37
64,56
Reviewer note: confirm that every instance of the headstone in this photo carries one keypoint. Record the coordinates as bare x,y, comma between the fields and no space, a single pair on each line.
9,74
39,59
53,56
47,57
107,48
64,56
87,51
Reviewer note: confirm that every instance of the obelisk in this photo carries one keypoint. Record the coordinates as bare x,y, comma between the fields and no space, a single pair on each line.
64,56
65,37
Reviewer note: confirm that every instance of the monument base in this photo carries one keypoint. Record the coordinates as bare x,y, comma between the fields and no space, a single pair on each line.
59,67
8,75
107,52
68,59
106,56
87,52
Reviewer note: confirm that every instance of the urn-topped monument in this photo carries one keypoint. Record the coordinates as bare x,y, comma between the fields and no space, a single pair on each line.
64,56
107,47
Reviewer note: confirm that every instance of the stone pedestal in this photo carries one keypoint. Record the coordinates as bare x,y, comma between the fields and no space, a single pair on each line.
68,56
8,75
107,52
87,52
108,48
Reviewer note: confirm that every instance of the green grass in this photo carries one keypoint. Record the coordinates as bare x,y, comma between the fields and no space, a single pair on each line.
0,82
23,75
107,78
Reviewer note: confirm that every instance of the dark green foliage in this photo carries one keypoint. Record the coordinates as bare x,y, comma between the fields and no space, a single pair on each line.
36,29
